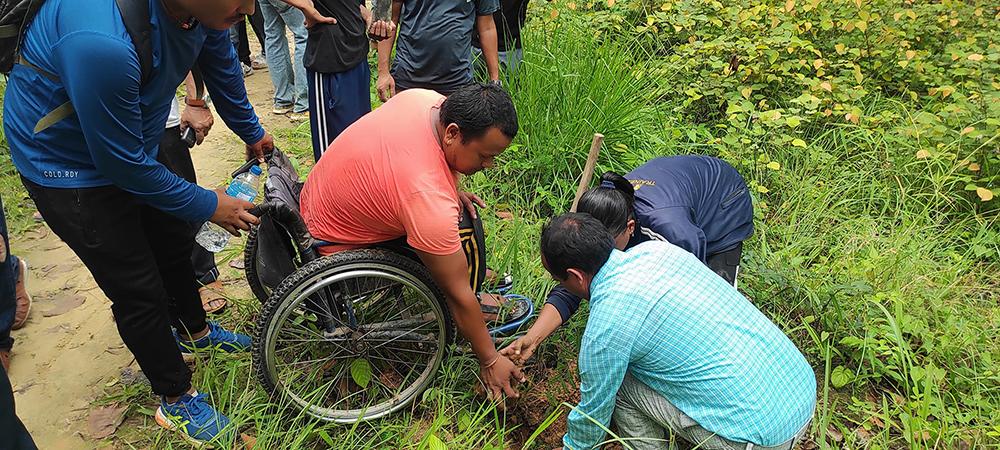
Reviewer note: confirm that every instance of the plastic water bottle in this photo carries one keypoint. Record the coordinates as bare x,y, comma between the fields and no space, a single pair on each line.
244,187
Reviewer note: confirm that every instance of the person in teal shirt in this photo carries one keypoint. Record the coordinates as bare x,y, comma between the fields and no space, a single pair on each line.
670,348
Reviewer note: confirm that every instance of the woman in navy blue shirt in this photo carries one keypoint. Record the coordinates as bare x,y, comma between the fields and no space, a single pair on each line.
698,203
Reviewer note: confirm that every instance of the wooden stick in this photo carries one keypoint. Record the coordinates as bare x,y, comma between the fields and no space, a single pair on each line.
588,170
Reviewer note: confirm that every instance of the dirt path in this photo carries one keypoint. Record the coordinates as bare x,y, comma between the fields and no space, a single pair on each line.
70,349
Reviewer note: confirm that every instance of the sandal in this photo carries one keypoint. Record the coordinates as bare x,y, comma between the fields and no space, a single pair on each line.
514,309
499,284
213,294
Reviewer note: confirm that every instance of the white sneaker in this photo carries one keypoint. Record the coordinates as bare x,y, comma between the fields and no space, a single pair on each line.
247,70
258,62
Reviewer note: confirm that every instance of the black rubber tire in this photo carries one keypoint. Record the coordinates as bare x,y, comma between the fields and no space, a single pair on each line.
282,303
250,267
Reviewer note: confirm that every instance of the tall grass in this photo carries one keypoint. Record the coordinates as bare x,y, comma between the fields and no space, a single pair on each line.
881,268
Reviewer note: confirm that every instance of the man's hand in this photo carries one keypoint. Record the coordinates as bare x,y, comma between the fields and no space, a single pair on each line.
520,350
499,378
386,86
309,10
467,199
261,148
231,213
381,30
198,118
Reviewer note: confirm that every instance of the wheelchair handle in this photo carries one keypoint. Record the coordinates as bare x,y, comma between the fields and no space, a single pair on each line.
253,162
245,167
288,217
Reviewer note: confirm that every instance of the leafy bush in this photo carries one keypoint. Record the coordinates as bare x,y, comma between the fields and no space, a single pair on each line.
792,69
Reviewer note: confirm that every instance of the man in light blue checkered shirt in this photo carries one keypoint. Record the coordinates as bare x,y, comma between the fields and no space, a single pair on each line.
671,347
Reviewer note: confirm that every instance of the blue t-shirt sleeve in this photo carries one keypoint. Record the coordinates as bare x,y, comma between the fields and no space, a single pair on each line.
104,89
487,7
224,81
676,225
565,302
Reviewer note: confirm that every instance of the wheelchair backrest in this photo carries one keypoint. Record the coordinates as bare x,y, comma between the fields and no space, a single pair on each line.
276,256
283,182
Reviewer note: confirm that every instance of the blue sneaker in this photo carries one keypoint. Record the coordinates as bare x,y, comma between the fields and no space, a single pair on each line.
196,420
218,339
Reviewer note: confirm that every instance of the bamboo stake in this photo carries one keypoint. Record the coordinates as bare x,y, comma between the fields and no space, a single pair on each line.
588,169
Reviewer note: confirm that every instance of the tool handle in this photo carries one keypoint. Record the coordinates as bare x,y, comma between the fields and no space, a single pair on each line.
588,169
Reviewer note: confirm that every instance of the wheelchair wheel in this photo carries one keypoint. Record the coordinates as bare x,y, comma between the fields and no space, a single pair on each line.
352,336
257,286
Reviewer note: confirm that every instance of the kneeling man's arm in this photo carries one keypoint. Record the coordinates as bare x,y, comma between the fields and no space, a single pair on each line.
602,369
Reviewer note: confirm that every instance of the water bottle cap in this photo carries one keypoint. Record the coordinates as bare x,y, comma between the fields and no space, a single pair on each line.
256,170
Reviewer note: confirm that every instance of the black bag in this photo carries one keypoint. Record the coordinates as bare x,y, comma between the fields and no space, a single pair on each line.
283,182
14,18
15,15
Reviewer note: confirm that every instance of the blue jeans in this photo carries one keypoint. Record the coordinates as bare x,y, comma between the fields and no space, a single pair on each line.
9,270
291,87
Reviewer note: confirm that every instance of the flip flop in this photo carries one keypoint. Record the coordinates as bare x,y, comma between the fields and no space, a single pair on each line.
514,309
213,292
500,284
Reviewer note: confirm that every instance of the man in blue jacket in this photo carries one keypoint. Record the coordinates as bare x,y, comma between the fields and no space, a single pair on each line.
94,175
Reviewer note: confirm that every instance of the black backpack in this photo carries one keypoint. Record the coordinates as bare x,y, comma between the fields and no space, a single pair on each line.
15,15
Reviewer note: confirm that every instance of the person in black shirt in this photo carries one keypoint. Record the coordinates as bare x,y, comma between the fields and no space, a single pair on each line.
337,70
509,21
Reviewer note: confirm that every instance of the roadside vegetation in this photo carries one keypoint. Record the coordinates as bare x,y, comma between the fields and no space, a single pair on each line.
868,133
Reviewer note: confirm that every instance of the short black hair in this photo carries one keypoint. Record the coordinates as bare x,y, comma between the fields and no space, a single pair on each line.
478,107
577,241
611,202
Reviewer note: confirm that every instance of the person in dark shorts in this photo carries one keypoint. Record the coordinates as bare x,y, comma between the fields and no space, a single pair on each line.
336,63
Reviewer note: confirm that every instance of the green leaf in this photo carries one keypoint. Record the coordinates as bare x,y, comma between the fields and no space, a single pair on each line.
792,121
852,341
798,143
434,443
840,377
464,420
361,372
326,438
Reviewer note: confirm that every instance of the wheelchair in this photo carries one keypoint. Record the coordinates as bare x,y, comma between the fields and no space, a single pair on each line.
351,336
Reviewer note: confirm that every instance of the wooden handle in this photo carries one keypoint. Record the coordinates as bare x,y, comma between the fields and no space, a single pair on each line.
588,170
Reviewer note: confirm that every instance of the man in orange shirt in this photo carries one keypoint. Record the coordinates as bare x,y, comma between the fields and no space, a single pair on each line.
394,174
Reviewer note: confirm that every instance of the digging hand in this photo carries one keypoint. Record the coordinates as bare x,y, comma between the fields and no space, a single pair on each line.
231,213
499,379
520,350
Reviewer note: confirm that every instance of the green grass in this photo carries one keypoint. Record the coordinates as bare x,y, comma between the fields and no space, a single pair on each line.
880,265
